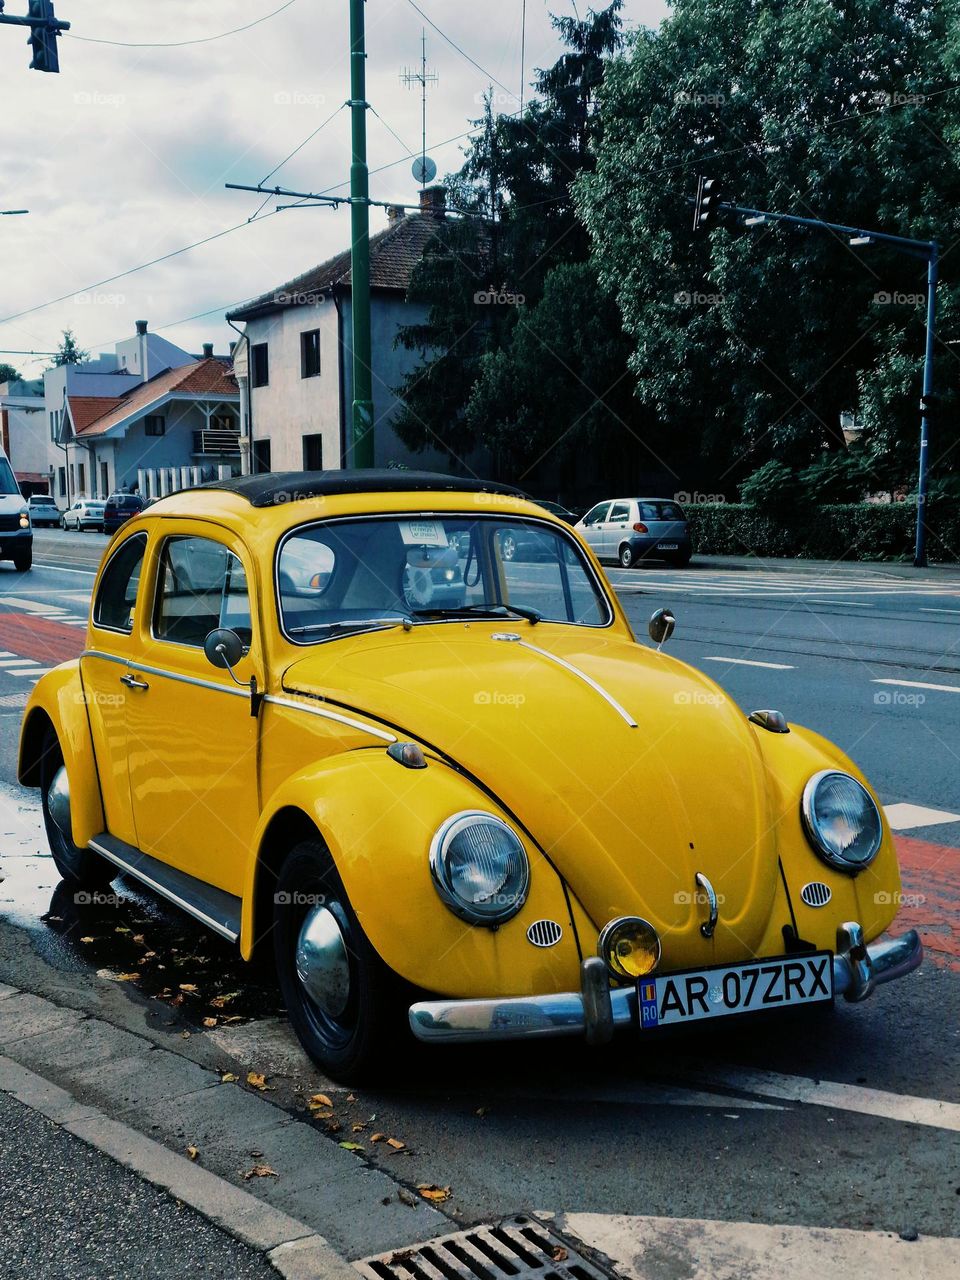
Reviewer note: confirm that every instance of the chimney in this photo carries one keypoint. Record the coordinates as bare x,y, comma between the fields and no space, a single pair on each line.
395,214
433,202
142,345
207,350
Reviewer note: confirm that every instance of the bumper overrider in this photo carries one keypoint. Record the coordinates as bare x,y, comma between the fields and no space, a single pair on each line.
596,1010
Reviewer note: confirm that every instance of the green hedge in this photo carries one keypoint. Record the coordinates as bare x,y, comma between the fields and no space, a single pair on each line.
853,531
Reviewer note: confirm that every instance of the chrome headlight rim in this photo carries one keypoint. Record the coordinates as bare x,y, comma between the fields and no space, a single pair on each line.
445,833
811,825
606,953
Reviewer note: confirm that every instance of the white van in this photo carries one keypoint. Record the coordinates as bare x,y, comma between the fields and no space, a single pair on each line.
16,532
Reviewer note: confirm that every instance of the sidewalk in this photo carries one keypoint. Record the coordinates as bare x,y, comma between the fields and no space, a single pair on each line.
846,568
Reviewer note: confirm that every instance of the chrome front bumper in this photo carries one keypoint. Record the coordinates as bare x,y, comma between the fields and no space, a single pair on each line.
596,1010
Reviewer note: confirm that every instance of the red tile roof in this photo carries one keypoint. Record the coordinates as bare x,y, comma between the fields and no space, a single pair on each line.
97,414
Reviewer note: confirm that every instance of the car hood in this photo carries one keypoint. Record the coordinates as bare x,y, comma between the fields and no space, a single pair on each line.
627,812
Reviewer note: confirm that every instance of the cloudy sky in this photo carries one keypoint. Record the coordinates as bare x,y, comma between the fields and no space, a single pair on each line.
123,156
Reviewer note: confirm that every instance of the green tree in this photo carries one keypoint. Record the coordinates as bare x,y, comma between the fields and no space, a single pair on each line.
8,373
69,350
749,344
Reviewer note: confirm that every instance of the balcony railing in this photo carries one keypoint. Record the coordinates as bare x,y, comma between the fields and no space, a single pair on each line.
216,442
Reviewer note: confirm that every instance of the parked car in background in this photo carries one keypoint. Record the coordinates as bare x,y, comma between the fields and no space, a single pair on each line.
16,532
331,764
627,530
558,510
43,510
85,513
119,508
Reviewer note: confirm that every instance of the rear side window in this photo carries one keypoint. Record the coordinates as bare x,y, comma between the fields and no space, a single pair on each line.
202,585
117,594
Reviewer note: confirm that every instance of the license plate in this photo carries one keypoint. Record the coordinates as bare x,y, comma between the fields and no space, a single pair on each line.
697,994
668,546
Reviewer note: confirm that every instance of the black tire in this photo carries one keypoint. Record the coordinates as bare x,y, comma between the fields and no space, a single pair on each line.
80,867
23,560
683,559
626,556
360,1043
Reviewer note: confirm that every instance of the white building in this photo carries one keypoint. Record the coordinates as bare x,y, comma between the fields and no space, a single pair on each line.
24,435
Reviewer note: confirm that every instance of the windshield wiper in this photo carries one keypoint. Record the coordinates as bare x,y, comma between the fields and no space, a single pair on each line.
480,610
353,623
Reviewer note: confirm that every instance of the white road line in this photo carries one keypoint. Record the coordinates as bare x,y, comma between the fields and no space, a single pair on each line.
928,609
13,662
921,684
705,1249
902,1107
847,604
88,573
750,662
904,817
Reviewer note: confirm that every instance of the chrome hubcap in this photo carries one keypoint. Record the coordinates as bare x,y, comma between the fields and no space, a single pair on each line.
58,801
322,963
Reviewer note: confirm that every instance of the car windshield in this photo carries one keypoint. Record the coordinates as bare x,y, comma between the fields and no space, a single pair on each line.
349,575
8,483
42,502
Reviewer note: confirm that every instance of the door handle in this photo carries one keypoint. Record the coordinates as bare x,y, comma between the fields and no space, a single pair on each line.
131,681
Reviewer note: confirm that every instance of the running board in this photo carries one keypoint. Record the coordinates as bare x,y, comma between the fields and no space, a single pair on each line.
213,907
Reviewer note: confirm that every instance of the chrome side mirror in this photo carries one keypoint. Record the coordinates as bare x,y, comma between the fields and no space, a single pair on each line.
660,627
223,648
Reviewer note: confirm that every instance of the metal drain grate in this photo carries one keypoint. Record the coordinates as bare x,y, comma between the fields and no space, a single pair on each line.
516,1248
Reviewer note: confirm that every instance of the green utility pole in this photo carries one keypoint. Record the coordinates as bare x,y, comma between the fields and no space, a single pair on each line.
361,445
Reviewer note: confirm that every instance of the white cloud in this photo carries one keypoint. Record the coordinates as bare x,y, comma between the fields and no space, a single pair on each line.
122,157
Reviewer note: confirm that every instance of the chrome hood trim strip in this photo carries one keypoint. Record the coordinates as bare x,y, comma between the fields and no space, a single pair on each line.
324,714
582,675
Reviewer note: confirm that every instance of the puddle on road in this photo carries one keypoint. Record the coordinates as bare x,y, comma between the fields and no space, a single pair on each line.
122,932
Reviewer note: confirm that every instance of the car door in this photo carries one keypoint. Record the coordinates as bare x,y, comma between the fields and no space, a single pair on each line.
192,740
615,529
592,527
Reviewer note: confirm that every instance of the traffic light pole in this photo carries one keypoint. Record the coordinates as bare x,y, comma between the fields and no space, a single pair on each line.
360,453
927,249
44,26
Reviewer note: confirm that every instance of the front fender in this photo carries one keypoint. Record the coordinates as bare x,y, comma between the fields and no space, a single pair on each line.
377,819
58,700
871,896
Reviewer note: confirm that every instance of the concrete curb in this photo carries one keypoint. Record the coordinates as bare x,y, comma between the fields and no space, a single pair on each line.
292,1247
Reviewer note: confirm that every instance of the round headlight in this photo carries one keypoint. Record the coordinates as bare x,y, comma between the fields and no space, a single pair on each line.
629,947
479,867
841,819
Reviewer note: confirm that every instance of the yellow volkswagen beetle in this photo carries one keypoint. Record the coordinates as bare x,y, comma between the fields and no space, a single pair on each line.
325,715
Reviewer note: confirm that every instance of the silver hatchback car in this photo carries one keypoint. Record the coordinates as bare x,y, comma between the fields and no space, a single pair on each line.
627,530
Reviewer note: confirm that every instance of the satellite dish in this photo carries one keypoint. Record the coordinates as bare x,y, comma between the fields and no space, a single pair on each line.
424,169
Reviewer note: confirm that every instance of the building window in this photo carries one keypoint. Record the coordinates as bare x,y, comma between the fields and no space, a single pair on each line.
81,480
310,354
261,364
313,453
104,480
62,481
224,422
154,424
261,455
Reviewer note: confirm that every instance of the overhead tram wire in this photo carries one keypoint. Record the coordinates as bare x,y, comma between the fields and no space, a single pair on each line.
179,44
462,52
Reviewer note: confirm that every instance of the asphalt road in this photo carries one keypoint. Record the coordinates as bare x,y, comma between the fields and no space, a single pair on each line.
851,1122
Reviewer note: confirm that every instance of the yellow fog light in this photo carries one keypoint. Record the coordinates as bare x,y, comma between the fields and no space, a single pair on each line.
630,947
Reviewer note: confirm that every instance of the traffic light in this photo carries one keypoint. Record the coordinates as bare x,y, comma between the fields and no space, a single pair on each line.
705,205
43,37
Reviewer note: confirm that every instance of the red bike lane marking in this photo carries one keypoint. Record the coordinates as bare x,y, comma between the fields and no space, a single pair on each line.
41,639
931,898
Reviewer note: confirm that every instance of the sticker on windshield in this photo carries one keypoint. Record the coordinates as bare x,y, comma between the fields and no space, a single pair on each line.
423,533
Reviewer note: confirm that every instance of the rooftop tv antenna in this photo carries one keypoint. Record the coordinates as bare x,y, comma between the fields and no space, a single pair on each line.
424,169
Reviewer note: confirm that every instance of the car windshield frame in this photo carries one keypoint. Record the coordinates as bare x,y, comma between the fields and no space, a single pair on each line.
498,613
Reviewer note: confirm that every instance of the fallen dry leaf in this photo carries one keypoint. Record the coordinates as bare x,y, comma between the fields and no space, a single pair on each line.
127,977
88,939
219,1001
404,1196
209,1022
320,1100
257,1081
396,1144
228,1077
434,1194
358,1128
333,1126
260,1171
120,928
351,1097
189,987
377,1137
192,1152
139,939
558,1253
351,1146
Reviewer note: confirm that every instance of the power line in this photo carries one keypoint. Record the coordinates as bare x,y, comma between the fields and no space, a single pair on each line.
179,44
165,257
389,130
307,139
462,52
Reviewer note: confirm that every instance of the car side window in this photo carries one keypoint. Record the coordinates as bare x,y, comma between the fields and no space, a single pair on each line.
201,585
117,594
619,513
596,515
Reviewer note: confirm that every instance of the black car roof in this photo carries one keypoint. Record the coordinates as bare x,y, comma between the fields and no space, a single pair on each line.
278,487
